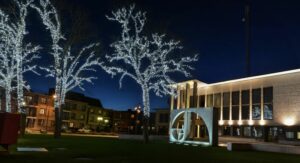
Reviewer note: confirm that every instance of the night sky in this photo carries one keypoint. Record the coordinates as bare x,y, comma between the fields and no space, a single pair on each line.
212,28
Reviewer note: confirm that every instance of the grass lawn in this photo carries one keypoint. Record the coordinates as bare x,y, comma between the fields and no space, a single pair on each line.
123,151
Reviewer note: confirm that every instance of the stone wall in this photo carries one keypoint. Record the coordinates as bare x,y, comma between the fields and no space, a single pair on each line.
286,104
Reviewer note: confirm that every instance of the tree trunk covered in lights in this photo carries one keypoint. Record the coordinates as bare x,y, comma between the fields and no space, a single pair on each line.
8,99
146,117
58,122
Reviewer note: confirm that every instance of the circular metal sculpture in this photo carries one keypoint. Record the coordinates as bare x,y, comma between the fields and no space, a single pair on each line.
180,134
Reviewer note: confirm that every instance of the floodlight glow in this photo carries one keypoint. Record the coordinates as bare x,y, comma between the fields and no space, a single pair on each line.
262,122
289,121
240,122
250,122
221,122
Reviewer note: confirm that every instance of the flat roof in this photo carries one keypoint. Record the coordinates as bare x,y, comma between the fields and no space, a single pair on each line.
266,79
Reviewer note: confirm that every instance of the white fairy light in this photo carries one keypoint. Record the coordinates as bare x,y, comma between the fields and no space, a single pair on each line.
68,68
16,55
147,60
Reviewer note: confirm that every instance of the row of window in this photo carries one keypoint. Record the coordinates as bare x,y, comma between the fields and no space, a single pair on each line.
261,102
261,99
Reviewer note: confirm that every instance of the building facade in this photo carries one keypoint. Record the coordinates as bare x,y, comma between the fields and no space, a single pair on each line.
131,121
39,111
79,112
264,107
162,117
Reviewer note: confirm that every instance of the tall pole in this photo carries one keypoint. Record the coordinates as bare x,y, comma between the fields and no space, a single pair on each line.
248,36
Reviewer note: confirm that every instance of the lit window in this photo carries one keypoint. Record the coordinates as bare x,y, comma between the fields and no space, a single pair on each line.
298,135
289,135
132,115
71,125
43,100
42,111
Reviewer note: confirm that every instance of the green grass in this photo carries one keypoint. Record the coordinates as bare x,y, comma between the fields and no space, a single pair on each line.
124,151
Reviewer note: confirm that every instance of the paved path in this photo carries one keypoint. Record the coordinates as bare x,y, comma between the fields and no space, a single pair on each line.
260,145
83,135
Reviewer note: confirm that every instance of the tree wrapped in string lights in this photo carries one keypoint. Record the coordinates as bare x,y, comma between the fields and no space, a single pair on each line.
68,69
16,55
148,60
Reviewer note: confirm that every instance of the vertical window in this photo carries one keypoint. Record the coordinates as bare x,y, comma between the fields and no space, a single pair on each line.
42,111
245,112
40,122
31,112
268,103
192,102
256,103
217,104
225,113
217,100
226,99
226,102
73,116
289,135
245,105
28,100
247,131
210,100
182,99
235,110
235,98
43,100
201,101
66,116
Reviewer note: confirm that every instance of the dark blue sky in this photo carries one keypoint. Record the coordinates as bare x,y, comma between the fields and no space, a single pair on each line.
211,28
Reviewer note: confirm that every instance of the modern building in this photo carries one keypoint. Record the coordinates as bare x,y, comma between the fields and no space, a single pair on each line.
265,107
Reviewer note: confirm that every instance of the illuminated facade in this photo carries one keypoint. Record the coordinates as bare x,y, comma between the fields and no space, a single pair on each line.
265,107
79,112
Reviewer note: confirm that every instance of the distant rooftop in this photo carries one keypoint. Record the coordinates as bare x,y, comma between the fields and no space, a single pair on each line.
80,97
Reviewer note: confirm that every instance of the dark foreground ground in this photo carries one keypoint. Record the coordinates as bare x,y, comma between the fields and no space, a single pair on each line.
102,150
